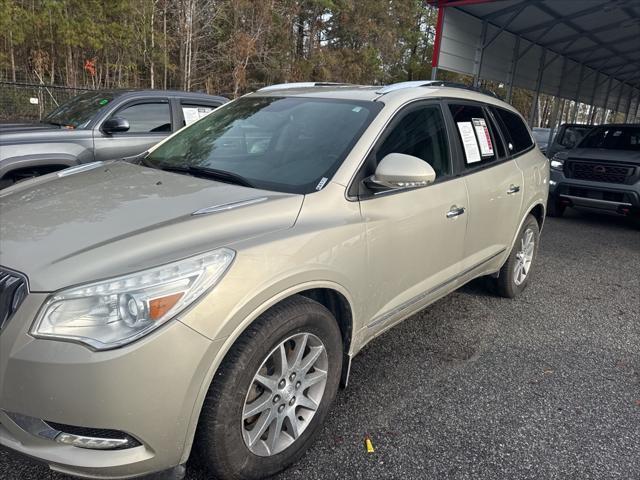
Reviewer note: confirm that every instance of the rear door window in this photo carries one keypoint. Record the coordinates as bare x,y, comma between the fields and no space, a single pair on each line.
519,139
474,134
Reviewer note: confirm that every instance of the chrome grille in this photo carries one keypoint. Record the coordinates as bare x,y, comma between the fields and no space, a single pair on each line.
13,290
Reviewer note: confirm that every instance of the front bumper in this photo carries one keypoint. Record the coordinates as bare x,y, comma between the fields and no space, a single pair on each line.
612,197
147,389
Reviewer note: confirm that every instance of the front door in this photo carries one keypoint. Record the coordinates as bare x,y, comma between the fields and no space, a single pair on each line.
415,237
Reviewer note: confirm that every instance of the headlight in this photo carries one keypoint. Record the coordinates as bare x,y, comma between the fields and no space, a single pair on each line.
557,163
114,312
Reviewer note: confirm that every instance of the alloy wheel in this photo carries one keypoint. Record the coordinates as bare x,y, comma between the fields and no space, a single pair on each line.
285,394
524,257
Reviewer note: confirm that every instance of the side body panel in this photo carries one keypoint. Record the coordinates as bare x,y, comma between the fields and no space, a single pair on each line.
494,212
413,248
535,172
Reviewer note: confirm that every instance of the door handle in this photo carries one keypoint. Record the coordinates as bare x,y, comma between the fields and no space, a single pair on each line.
513,189
455,211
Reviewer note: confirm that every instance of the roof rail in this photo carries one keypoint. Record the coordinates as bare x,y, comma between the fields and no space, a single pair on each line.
433,83
283,86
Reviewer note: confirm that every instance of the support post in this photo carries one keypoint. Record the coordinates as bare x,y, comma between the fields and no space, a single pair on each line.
577,97
615,110
592,107
437,40
630,118
554,119
606,102
627,117
534,106
477,64
556,104
512,70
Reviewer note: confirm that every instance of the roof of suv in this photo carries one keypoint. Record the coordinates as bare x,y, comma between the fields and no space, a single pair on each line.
398,92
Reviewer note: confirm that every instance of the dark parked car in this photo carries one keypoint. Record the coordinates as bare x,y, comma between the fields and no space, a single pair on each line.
97,125
567,137
602,172
541,136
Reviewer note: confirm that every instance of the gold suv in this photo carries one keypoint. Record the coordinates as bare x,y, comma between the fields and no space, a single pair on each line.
208,296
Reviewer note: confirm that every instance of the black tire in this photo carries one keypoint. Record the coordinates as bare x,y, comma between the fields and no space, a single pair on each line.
554,208
220,447
506,285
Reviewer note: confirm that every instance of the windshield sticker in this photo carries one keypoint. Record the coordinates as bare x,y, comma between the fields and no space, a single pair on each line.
103,102
469,142
356,109
321,183
484,138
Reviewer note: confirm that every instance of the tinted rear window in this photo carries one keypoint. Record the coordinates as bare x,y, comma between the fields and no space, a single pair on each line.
517,132
474,135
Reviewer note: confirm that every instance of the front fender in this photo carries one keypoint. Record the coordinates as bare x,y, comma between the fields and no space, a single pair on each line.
242,318
10,164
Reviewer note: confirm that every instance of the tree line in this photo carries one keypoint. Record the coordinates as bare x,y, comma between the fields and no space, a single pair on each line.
216,46
226,47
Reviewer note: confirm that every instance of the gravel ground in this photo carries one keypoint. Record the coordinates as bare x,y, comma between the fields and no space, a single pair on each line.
546,386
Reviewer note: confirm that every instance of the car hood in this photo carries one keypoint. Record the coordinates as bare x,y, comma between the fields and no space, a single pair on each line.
118,218
604,154
38,133
26,127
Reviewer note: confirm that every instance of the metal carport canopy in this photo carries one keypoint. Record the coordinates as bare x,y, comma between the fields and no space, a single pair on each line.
582,50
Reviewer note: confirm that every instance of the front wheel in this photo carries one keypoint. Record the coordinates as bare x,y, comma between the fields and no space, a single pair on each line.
515,274
272,393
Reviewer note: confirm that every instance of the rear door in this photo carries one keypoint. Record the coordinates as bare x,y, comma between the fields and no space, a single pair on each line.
414,244
150,121
493,182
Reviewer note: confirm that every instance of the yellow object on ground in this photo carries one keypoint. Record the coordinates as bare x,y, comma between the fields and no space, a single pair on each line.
367,442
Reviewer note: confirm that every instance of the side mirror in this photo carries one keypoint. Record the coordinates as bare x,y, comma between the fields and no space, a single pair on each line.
115,124
397,170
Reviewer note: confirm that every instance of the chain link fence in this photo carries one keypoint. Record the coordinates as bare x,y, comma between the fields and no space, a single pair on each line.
28,102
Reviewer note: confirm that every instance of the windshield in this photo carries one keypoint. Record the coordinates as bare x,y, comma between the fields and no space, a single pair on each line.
613,137
80,110
572,135
286,144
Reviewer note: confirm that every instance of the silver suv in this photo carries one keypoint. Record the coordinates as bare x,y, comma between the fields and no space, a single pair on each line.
209,296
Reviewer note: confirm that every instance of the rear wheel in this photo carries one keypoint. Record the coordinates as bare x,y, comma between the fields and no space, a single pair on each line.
515,274
270,397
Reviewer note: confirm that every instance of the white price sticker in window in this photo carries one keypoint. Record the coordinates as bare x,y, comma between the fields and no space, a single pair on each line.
192,114
469,142
484,138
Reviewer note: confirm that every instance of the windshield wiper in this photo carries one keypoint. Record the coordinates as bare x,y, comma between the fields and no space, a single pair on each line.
209,173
